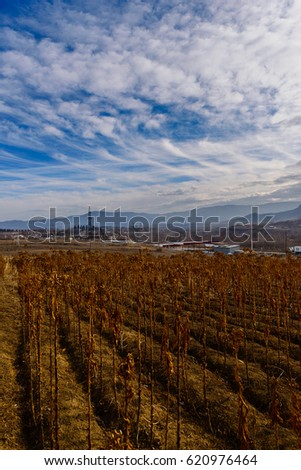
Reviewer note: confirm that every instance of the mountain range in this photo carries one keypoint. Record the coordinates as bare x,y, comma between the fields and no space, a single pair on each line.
284,211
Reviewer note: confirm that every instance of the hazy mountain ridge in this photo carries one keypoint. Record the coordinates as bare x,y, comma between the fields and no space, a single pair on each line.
283,216
224,212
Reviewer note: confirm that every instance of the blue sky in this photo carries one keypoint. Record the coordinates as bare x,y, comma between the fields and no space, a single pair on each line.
155,105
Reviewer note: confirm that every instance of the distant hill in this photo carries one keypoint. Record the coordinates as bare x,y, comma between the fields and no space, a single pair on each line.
17,224
281,212
283,216
13,225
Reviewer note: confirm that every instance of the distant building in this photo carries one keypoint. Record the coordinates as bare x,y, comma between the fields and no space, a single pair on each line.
227,249
296,250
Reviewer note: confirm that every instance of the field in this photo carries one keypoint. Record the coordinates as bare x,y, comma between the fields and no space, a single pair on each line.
138,350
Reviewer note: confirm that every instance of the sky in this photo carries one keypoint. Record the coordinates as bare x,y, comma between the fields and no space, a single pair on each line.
153,106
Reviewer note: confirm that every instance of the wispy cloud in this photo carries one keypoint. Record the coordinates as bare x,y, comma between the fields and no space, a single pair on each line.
148,105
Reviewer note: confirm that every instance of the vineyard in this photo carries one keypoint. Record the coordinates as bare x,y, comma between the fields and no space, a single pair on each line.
147,351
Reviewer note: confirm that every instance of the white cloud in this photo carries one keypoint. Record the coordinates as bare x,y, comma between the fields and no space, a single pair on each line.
53,131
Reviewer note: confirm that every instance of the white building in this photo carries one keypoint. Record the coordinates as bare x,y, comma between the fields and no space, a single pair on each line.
296,250
227,249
